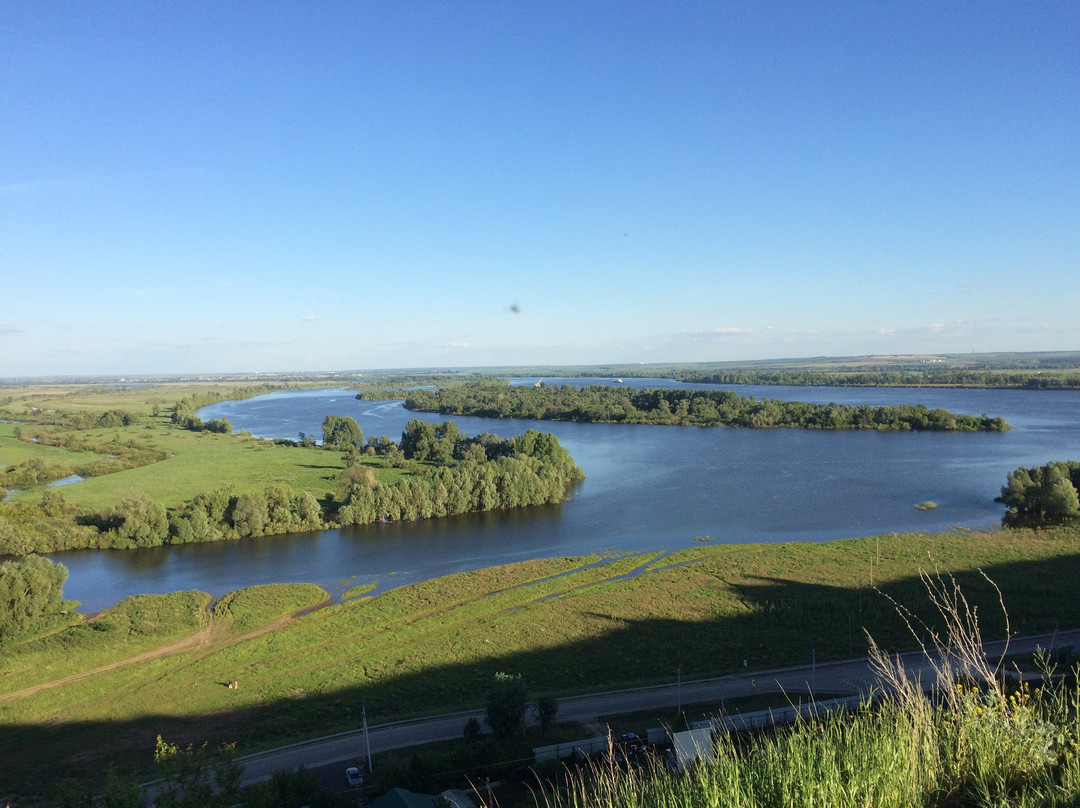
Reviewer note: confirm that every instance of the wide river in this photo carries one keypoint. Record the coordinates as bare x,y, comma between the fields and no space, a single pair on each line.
647,488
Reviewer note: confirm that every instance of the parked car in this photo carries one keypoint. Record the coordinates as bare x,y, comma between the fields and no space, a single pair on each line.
353,776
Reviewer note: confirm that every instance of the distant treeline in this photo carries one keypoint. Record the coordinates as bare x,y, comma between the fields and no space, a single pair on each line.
184,416
439,472
610,404
942,377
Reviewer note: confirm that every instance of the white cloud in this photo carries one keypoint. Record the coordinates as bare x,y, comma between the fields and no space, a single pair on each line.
728,331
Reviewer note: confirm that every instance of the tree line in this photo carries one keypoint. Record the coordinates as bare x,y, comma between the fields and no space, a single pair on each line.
610,404
1042,495
938,377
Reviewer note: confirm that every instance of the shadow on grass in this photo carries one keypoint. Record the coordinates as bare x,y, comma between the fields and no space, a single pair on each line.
785,622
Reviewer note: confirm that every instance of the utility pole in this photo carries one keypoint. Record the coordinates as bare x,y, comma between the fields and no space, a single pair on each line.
678,689
367,739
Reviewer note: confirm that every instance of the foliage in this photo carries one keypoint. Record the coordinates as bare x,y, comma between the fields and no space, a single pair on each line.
137,522
968,742
26,528
504,705
339,432
575,624
480,473
59,454
473,732
439,472
196,777
545,709
291,788
609,404
30,589
1042,495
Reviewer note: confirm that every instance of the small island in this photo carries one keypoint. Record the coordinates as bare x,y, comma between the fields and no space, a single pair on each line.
622,405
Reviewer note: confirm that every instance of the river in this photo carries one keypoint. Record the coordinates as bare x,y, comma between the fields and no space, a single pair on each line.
647,488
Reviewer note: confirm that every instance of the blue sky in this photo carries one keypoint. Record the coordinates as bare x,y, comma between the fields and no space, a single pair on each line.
271,186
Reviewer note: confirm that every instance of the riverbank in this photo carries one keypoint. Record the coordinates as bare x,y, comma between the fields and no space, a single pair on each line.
568,625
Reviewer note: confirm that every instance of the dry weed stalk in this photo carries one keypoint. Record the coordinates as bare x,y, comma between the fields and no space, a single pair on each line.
954,652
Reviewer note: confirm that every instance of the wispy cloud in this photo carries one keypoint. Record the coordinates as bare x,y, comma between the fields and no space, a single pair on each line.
309,318
727,331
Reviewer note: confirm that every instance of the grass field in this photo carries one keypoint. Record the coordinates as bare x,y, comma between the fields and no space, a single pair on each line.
196,461
567,625
14,451
140,400
202,461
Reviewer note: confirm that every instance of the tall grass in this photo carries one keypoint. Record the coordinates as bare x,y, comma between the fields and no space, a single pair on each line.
977,738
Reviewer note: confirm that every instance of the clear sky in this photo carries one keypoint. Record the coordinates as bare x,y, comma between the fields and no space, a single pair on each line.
275,186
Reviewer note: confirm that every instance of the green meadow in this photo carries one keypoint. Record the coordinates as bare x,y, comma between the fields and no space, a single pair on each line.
202,461
103,690
195,462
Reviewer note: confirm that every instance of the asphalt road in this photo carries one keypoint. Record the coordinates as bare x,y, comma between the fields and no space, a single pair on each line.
841,677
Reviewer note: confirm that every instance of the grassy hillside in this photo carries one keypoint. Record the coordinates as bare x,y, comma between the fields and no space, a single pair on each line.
161,665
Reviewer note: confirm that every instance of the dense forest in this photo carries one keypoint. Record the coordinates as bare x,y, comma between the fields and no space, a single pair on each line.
611,404
1042,495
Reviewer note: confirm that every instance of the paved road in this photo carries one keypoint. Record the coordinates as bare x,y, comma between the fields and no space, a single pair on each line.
840,677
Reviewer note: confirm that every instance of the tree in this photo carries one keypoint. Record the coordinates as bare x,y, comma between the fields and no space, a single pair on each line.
472,732
1059,497
196,778
53,502
504,705
544,711
220,426
1042,494
341,431
417,440
29,589
250,514
138,522
289,787
310,512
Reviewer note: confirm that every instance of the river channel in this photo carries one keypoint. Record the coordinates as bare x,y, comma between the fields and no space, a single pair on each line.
647,488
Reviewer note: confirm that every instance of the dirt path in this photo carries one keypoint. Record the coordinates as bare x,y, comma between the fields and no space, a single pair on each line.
213,636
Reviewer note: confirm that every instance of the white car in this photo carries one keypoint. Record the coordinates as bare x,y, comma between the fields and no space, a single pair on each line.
352,774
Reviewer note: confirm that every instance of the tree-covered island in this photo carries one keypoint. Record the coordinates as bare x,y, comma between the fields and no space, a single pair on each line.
213,491
624,405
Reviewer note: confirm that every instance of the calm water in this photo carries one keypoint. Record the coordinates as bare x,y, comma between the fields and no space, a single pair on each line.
647,488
